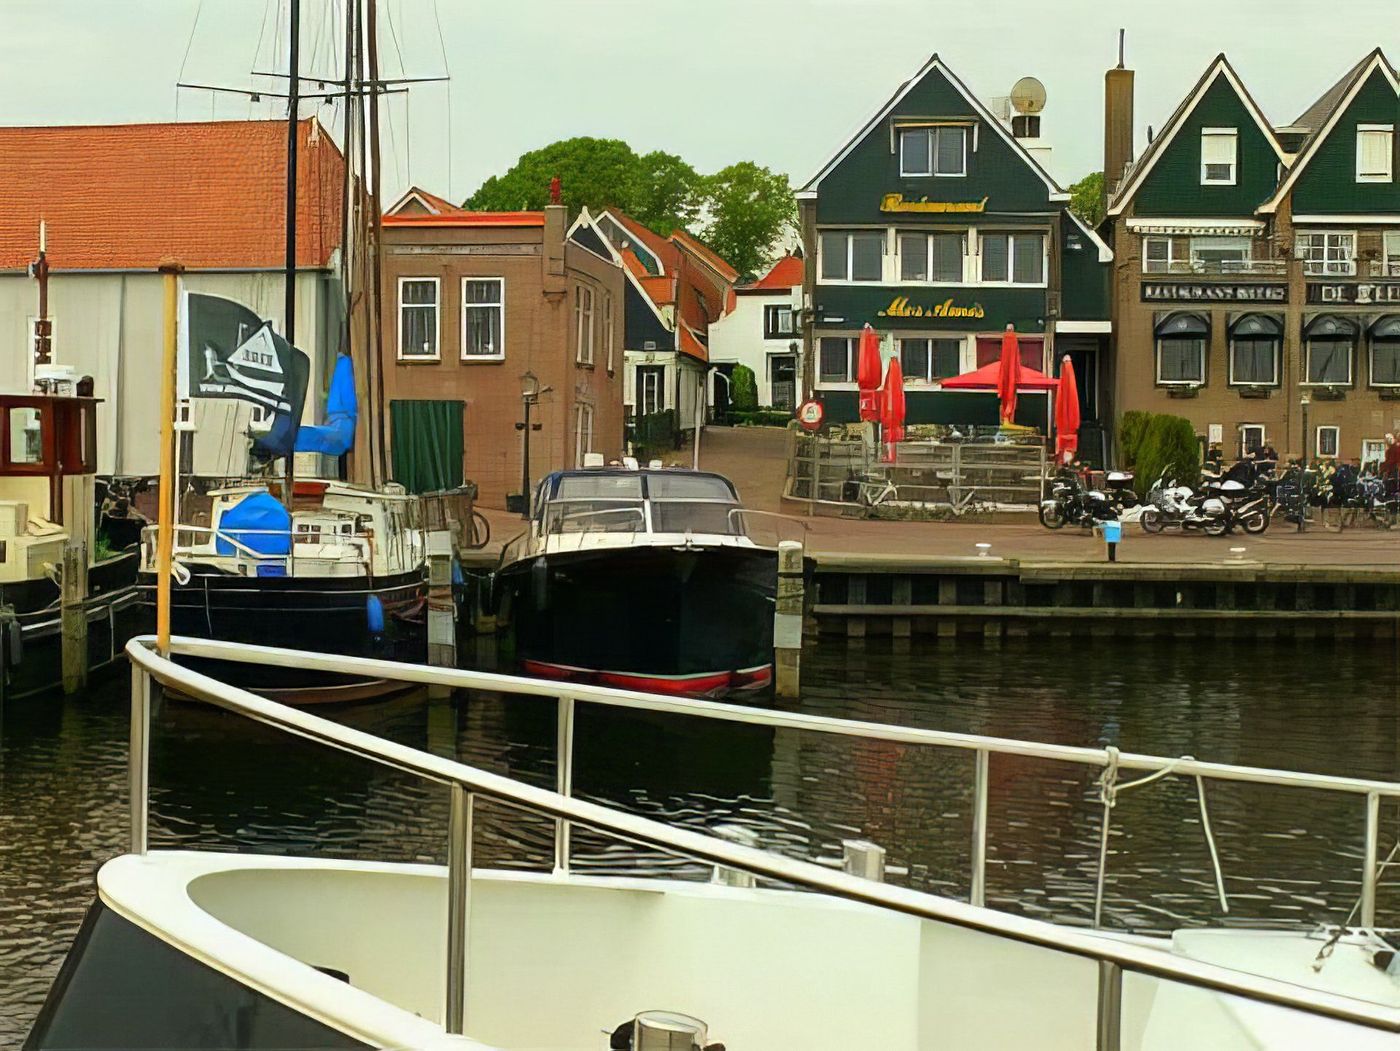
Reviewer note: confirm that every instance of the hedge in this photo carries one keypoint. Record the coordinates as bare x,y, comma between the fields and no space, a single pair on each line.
758,418
743,393
1166,445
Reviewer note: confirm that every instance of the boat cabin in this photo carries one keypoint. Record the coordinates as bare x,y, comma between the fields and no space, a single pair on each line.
624,500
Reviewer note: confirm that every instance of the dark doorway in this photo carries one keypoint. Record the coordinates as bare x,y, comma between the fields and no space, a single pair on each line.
782,381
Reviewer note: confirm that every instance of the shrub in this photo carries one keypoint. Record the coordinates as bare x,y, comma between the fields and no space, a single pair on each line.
759,418
655,434
1130,431
1167,445
744,389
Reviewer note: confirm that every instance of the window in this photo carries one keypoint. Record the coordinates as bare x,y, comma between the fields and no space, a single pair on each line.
933,151
26,436
1166,255
1375,152
931,257
1390,261
836,359
583,323
651,394
483,318
855,256
1015,258
1385,362
1328,361
583,433
1329,440
1251,438
930,360
1181,359
1372,452
779,322
609,334
1220,254
1218,155
1325,252
1254,360
418,318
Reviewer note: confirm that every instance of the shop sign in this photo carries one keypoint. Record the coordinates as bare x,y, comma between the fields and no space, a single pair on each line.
1360,294
1197,292
895,202
901,307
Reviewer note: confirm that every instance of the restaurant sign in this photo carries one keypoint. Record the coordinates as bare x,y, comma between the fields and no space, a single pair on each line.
895,202
1360,294
1198,292
901,307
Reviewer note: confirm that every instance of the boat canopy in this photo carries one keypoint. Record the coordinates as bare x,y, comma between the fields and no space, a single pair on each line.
628,501
258,522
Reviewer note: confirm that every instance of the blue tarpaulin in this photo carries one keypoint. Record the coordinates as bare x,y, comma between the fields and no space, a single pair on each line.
248,522
337,434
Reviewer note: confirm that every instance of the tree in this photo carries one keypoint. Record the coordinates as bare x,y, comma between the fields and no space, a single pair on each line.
667,193
1168,446
749,209
1086,199
745,389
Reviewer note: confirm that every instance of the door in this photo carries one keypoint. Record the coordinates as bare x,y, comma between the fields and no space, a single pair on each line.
427,444
782,381
651,391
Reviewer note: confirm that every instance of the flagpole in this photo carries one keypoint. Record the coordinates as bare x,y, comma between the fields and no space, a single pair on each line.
289,324
165,535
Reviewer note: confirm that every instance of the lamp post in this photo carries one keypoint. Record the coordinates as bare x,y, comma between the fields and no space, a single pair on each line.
1303,473
530,391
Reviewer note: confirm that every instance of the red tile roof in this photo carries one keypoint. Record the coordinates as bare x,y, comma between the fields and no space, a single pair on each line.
654,242
461,217
706,253
786,274
123,197
690,344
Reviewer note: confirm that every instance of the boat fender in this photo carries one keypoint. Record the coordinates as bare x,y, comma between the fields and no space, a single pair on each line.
374,615
14,642
539,583
458,577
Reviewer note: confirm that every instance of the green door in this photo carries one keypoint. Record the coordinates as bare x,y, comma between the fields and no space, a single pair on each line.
427,444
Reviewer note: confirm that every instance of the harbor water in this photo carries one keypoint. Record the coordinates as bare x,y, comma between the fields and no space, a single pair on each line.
1288,858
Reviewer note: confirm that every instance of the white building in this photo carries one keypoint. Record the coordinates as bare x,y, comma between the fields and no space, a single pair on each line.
118,200
762,333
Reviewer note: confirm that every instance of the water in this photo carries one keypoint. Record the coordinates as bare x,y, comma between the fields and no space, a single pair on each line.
219,782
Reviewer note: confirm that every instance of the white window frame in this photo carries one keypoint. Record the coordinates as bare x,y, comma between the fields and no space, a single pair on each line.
1174,265
1157,363
1245,429
1331,241
928,337
1233,135
656,372
1220,243
1011,236
584,330
609,328
437,318
849,237
1336,442
1230,363
777,332
1388,130
1376,455
1390,254
928,236
582,412
931,134
1371,363
500,305
1307,365
852,343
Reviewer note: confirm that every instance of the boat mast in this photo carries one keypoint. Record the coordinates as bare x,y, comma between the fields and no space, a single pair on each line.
377,358
289,323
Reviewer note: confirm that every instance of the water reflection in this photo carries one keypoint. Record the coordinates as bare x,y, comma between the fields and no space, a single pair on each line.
219,781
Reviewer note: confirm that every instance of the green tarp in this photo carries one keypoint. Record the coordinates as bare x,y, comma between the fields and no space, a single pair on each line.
427,444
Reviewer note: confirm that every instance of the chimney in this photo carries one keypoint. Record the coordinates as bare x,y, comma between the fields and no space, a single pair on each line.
556,223
1117,122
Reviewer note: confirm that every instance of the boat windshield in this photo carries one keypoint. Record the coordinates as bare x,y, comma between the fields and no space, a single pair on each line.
601,503
693,503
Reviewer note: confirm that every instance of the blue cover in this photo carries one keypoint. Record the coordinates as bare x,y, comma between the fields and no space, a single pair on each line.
260,511
337,434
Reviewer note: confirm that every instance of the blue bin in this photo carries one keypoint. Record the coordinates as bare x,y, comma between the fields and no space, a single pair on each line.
1112,531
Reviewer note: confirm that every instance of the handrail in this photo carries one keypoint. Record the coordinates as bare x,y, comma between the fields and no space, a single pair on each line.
1114,956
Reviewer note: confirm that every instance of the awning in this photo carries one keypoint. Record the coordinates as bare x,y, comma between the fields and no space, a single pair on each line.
1254,325
1330,326
986,378
1387,326
1182,323
1203,227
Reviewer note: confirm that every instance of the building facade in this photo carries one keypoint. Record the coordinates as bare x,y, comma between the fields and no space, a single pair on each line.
937,225
485,306
118,200
763,334
1258,277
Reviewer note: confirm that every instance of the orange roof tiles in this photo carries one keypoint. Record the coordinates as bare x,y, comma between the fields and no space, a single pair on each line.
654,242
690,344
210,195
706,253
461,217
785,274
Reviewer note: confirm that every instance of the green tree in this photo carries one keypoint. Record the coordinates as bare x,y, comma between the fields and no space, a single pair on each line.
1086,199
749,210
1168,446
667,193
1130,431
745,383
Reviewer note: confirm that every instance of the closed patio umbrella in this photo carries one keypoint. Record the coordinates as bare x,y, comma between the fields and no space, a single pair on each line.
892,408
1067,413
1009,374
868,375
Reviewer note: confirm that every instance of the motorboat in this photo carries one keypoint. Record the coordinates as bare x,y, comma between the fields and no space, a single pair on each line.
640,578
195,949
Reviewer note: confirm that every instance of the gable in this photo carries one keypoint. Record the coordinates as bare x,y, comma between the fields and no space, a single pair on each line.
1173,186
1328,186
851,189
587,237
640,325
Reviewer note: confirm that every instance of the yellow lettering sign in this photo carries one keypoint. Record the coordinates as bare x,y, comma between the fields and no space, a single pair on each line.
895,202
901,307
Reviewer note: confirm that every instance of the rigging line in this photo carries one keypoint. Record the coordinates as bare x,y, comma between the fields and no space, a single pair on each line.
447,72
262,29
199,10
394,36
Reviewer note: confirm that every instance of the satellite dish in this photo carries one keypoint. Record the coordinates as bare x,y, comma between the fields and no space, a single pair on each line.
1028,96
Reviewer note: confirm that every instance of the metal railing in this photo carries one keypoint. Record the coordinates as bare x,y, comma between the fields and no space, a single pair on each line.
1114,957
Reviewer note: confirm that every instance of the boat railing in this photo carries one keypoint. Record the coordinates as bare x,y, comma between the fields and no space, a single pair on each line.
1114,957
207,538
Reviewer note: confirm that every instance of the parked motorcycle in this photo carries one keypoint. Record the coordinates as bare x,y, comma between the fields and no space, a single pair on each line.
1118,486
1071,503
1216,510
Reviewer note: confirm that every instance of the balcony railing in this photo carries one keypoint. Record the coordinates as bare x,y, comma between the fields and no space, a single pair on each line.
1384,268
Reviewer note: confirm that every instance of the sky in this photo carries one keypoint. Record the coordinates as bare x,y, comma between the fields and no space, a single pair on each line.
780,82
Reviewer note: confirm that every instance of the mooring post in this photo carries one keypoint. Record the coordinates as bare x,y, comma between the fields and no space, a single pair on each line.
787,620
72,594
442,608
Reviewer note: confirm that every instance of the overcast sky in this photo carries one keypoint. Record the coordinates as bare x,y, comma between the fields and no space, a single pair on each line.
780,82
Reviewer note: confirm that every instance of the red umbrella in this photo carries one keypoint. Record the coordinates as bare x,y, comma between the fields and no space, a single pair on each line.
1067,413
1009,375
868,375
892,408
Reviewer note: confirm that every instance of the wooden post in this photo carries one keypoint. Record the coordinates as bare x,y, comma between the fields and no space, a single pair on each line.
442,608
72,596
165,536
787,620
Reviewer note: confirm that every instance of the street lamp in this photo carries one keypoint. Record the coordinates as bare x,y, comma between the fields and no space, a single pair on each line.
530,391
1303,473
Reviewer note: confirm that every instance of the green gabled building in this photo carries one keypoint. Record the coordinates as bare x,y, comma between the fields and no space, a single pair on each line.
1258,275
938,226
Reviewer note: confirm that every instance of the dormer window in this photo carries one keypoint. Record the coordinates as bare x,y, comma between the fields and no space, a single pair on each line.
1375,152
940,150
1219,154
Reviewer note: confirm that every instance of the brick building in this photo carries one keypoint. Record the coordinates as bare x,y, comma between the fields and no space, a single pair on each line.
475,301
1258,266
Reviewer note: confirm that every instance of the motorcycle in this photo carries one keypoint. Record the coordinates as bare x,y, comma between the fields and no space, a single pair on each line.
1120,491
1215,511
1071,503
